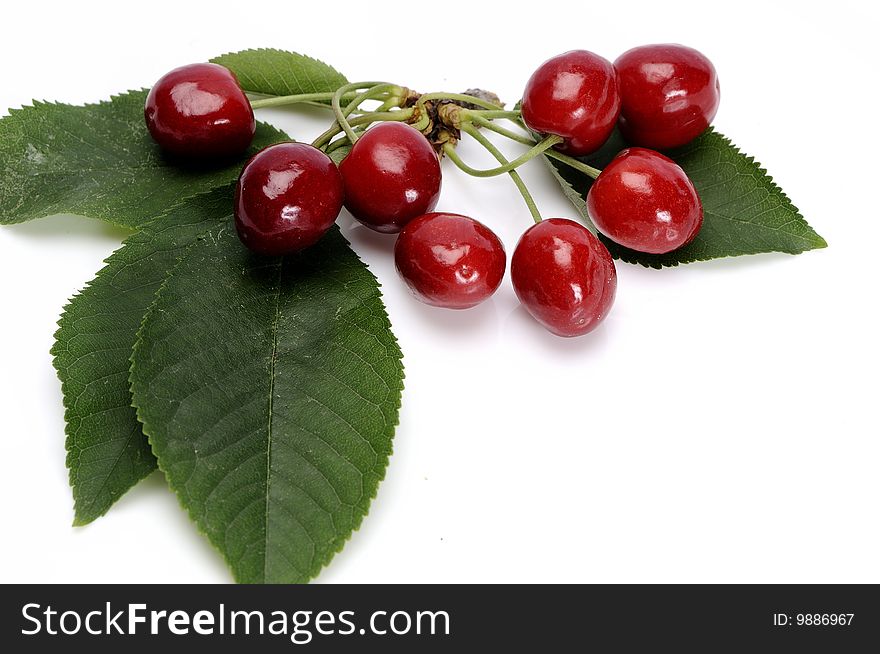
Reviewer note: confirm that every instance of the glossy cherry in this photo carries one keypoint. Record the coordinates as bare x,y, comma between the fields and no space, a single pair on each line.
199,111
563,276
391,175
449,260
646,202
574,95
669,94
287,197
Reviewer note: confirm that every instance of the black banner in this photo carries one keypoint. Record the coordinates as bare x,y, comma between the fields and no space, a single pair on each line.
541,618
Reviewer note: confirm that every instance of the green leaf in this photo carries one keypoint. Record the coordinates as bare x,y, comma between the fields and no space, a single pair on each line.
270,389
744,211
278,72
107,452
99,161
339,154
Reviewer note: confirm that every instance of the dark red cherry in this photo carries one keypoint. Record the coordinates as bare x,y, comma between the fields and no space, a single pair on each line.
646,202
574,95
200,111
287,197
449,260
669,95
391,176
564,276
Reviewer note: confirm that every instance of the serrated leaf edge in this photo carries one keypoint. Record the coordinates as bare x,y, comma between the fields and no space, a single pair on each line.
35,104
338,544
216,59
55,351
761,173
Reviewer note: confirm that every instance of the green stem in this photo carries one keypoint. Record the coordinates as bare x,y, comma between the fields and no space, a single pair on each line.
390,103
281,100
515,176
376,90
490,125
574,163
363,119
543,146
343,141
338,143
525,140
493,113
371,88
376,116
424,119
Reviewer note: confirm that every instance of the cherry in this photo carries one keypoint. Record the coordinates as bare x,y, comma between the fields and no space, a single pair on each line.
564,276
200,111
287,197
449,260
574,95
669,94
646,202
391,176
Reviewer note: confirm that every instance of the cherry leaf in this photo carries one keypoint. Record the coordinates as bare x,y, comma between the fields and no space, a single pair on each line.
745,212
270,389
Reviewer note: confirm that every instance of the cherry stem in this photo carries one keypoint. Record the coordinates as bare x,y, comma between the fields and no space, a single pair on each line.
587,170
390,103
342,142
363,119
475,117
425,119
539,148
371,90
480,119
302,98
494,113
514,175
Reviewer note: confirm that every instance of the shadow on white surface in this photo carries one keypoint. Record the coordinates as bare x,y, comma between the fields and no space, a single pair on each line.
365,241
729,264
175,524
477,322
558,347
62,226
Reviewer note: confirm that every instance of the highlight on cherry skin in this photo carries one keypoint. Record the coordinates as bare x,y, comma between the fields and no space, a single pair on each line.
449,260
199,111
644,201
391,175
287,196
574,95
564,276
669,94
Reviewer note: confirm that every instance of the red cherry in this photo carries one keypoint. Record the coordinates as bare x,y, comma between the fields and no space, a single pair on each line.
670,94
200,111
287,197
646,202
391,175
564,276
449,260
574,95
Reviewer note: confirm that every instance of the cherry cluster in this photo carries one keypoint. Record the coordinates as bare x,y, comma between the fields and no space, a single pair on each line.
289,194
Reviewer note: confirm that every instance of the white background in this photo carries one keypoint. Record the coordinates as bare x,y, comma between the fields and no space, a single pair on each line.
720,426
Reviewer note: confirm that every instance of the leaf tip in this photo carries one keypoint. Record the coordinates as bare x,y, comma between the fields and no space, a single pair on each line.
80,521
